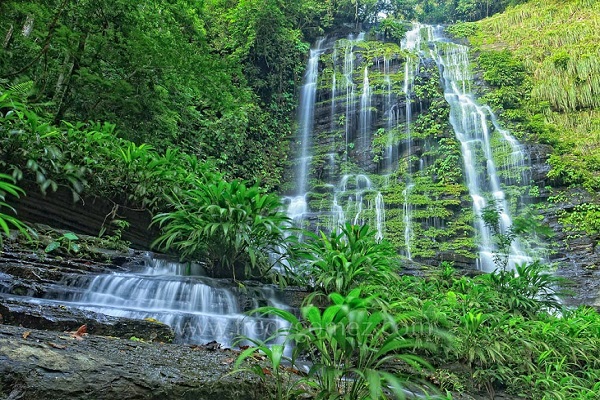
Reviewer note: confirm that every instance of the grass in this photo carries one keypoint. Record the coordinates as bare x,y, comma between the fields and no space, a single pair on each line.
557,42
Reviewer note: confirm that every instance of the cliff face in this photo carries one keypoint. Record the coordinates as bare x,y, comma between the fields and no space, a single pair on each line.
378,148
375,147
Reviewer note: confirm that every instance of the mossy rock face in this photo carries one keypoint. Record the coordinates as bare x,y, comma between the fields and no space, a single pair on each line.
416,151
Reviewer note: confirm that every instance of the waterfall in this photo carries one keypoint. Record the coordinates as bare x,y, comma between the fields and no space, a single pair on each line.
365,111
379,216
474,126
297,205
391,110
345,197
198,309
350,129
350,87
333,91
411,42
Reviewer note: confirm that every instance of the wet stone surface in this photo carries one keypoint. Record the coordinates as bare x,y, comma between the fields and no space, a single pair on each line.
37,364
59,317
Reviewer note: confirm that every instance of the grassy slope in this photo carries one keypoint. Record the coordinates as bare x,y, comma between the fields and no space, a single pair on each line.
557,40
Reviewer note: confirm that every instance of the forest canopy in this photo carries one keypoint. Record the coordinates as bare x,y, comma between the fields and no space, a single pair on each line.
216,78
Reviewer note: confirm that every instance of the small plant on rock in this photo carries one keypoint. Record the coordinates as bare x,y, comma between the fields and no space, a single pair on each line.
67,242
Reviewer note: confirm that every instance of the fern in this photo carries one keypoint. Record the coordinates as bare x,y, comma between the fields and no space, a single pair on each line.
22,90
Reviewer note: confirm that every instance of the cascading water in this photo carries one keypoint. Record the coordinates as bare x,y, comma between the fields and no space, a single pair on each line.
355,123
348,192
411,43
471,123
391,110
365,111
350,87
297,206
198,309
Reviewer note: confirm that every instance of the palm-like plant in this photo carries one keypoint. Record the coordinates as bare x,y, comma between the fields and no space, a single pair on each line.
527,289
345,259
350,346
233,227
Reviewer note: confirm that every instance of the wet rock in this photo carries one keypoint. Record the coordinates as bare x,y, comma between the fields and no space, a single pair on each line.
458,260
26,273
50,365
39,314
575,254
538,157
88,216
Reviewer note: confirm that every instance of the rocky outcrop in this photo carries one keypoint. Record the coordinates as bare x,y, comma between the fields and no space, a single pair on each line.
59,317
36,364
88,215
575,254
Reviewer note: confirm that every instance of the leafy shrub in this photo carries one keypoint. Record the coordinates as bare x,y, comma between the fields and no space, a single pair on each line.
463,29
527,289
67,242
346,259
233,227
501,68
351,345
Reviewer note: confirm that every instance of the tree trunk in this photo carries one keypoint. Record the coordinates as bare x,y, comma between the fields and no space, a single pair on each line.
64,81
8,36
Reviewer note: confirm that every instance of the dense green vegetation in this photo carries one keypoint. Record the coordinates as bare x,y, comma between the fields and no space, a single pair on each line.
196,103
215,79
449,333
541,61
91,158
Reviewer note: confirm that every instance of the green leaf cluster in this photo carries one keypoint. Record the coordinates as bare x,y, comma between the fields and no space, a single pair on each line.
344,259
234,228
7,187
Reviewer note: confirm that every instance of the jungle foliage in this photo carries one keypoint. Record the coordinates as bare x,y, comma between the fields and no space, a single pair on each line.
8,221
215,79
541,61
444,333
90,158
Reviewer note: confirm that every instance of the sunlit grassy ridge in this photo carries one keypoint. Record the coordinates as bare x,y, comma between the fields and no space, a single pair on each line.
557,41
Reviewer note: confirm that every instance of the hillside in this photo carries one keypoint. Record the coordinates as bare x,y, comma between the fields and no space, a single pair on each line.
557,42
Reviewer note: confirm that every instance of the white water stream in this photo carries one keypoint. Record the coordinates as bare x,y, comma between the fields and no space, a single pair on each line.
474,125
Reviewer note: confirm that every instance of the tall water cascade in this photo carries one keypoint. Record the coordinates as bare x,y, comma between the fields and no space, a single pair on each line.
411,43
297,207
474,126
390,135
351,195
